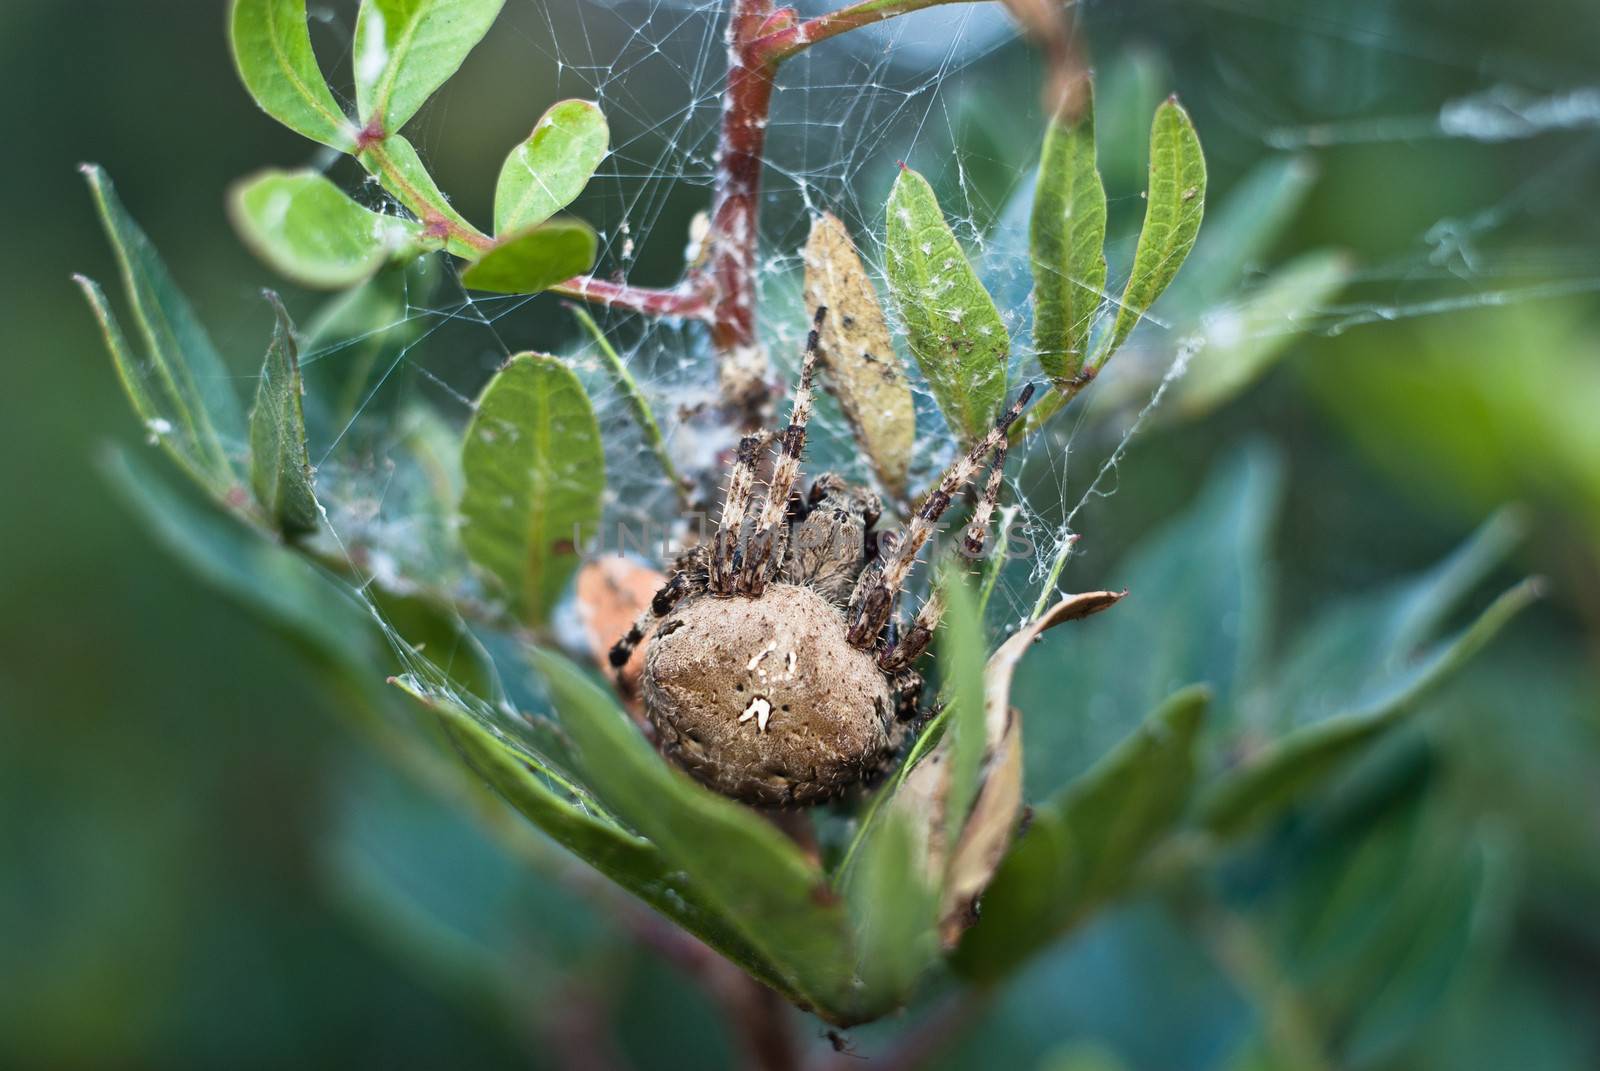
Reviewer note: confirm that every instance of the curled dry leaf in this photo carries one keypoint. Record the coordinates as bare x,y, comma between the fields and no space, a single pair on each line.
612,592
864,372
992,821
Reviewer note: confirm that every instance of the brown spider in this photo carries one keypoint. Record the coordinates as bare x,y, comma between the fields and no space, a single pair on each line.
774,672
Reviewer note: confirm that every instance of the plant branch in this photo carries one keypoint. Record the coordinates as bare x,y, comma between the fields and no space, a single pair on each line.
466,241
734,238
679,302
779,45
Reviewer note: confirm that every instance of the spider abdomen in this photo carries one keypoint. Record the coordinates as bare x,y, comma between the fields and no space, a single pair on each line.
764,699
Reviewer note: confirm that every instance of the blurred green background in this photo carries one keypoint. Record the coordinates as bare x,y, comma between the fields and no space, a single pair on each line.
170,786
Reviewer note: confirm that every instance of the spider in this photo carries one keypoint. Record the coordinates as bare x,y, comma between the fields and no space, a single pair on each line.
776,672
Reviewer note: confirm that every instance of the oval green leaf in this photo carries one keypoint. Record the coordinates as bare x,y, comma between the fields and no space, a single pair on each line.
310,230
547,171
534,470
1068,237
280,470
534,259
954,330
406,49
1176,202
272,51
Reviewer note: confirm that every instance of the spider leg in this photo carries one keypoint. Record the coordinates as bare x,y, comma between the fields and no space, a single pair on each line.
978,528
908,695
906,648
765,554
661,604
725,548
872,604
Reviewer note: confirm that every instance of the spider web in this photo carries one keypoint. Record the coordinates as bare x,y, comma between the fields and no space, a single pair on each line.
952,92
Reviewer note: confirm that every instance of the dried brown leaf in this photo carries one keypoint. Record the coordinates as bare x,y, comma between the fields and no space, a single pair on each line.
863,371
992,821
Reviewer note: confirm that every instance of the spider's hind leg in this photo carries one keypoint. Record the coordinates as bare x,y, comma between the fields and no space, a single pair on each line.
687,577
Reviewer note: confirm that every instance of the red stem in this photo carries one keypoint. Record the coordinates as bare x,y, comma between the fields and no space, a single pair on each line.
734,237
680,301
781,43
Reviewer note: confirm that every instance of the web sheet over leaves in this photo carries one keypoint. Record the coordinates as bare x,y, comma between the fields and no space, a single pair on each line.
931,90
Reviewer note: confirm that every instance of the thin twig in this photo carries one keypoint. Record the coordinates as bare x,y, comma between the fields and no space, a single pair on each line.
681,302
795,38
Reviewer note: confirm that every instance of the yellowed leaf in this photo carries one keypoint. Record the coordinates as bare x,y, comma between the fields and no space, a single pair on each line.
863,371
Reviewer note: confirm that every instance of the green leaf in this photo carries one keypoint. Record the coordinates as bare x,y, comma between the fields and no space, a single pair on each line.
142,379
894,911
355,340
1129,86
534,469
310,230
260,574
991,822
1357,647
954,330
1082,848
629,860
406,49
181,380
1296,764
547,172
1381,907
400,170
1198,612
1242,231
756,877
962,654
1239,343
534,259
1176,201
280,470
1068,231
272,50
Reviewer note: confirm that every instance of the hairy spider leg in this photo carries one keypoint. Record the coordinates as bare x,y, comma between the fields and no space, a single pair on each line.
905,650
764,555
680,584
725,553
872,605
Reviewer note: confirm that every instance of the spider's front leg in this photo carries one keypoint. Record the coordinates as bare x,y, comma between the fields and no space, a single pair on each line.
873,603
725,552
905,650
765,554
